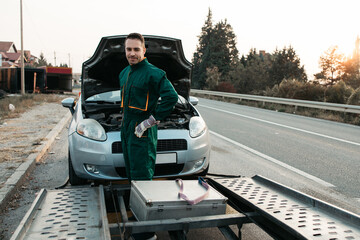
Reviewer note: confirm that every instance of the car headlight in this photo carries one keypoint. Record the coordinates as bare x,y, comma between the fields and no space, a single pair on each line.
91,129
197,126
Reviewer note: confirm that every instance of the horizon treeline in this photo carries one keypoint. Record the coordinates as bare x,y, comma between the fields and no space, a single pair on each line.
218,67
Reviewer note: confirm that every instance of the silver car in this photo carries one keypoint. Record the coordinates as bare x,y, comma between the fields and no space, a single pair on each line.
95,150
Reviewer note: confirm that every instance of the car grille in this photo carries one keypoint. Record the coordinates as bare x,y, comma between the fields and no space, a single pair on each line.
160,169
162,145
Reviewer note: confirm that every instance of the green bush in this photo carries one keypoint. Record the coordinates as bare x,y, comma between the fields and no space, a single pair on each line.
288,88
338,93
354,98
226,87
298,90
311,92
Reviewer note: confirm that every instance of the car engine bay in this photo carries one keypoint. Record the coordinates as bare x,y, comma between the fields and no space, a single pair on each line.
111,118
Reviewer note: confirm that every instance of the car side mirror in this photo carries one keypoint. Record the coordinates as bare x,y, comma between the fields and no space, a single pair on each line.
194,101
69,103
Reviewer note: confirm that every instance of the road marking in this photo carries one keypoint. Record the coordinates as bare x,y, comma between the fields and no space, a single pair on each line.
285,126
304,174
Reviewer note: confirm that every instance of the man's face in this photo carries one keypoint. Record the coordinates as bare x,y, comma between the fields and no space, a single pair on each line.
134,51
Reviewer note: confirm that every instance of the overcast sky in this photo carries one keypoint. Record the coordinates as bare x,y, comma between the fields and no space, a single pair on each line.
71,29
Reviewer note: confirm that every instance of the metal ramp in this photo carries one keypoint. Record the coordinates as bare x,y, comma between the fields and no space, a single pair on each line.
76,213
285,213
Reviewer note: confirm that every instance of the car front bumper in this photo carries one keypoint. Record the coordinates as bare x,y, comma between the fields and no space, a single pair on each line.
96,160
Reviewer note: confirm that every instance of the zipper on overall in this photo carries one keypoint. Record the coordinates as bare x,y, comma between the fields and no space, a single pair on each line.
123,98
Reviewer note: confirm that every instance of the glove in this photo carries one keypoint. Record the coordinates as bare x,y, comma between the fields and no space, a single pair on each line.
148,123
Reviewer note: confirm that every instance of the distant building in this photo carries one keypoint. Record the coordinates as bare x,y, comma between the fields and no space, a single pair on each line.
41,79
263,54
11,57
7,47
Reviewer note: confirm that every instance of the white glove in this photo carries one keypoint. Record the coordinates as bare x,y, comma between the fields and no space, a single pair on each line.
148,123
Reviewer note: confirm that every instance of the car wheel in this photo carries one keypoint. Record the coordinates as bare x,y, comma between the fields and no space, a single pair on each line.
203,173
73,178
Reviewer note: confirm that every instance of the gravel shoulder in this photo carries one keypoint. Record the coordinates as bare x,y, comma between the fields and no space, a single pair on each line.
19,137
43,176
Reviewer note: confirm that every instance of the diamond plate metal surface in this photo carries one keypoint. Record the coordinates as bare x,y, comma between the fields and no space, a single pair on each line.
68,214
300,215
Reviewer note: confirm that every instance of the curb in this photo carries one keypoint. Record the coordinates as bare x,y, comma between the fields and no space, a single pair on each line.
19,176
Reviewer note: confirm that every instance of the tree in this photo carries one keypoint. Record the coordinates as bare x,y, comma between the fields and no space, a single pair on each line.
253,75
351,74
331,63
41,61
201,58
286,65
224,53
216,48
212,78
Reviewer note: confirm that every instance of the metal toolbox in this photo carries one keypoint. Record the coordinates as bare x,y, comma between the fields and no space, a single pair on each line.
155,200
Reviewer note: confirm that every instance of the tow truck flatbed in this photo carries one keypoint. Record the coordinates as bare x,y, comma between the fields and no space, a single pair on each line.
284,213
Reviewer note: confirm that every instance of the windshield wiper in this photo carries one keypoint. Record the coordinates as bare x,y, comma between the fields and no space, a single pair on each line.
102,102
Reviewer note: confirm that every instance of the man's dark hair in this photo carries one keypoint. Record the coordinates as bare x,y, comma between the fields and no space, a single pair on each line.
136,36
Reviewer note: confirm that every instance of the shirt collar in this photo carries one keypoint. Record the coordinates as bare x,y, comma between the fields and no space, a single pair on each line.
139,64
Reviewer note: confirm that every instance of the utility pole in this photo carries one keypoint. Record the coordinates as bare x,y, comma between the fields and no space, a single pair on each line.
69,59
54,59
22,52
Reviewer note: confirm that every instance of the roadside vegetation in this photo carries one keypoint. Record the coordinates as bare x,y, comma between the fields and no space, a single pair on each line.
349,118
22,103
218,67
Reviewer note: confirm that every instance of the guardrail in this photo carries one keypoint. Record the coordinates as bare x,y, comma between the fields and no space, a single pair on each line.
286,101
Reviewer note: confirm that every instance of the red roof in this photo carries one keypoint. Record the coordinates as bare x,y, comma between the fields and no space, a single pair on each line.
13,56
59,70
4,56
6,46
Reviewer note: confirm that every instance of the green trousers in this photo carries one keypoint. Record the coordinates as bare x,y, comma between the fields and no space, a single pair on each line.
139,153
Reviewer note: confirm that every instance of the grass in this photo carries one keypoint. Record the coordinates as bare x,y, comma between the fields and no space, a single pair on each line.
23,103
349,118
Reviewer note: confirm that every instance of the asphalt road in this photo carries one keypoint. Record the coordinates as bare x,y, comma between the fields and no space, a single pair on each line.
52,172
315,156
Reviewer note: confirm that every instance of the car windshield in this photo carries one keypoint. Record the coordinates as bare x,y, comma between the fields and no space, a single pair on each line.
114,97
106,97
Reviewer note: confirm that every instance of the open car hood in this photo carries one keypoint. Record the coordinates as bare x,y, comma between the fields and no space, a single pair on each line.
101,72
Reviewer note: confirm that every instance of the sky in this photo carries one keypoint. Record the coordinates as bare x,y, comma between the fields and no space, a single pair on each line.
70,30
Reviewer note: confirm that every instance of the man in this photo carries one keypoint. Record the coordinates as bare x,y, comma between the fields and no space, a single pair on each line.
141,85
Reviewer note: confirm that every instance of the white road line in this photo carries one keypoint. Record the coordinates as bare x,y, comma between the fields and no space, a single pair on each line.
285,126
304,174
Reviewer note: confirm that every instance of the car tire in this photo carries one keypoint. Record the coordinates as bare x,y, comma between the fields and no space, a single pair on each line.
73,178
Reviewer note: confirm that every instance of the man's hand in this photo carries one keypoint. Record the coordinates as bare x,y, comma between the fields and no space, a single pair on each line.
148,123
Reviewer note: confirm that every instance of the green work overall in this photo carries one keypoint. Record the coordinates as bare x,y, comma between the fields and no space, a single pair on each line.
141,85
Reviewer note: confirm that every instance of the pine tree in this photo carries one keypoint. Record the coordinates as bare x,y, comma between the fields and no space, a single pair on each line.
201,59
41,61
252,73
286,65
217,48
225,54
